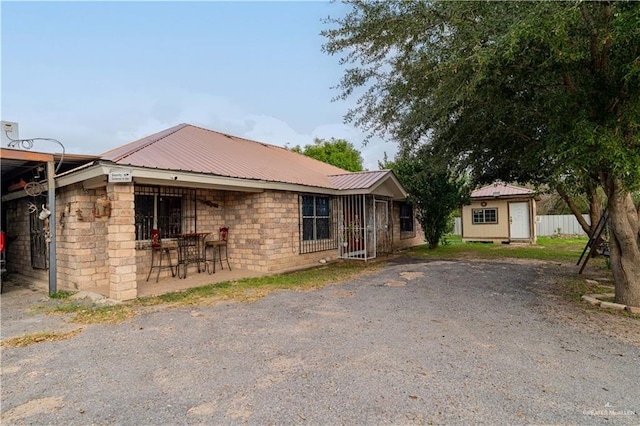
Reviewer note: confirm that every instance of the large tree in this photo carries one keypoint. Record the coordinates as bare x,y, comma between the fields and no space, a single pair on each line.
338,152
434,190
541,92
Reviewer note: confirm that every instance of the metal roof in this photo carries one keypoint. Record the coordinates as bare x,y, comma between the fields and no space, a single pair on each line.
19,163
359,180
501,190
190,148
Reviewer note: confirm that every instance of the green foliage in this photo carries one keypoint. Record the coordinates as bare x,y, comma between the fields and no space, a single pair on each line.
547,249
337,152
61,294
433,191
521,91
533,92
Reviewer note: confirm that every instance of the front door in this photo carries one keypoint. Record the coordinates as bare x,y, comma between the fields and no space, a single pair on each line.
519,228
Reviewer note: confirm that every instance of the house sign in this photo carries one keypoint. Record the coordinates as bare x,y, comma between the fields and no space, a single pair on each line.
119,175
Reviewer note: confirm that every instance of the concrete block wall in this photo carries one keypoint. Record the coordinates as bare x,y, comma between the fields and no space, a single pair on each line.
264,233
97,251
281,234
244,214
121,246
80,240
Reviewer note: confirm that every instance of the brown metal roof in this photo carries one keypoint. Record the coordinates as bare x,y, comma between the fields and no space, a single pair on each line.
190,148
361,180
500,190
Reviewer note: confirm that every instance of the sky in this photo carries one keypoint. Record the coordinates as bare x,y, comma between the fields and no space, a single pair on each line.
97,75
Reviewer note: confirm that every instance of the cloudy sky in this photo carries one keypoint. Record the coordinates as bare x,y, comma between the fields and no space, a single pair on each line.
96,75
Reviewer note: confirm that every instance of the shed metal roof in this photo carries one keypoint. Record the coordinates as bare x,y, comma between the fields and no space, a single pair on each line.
501,190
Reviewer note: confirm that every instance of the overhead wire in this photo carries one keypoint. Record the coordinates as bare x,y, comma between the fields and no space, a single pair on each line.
28,144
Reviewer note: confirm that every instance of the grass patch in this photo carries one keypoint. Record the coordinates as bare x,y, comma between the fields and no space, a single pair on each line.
91,314
46,336
546,248
61,295
575,287
104,314
250,289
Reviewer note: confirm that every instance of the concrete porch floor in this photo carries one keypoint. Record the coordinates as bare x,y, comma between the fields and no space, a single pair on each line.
194,279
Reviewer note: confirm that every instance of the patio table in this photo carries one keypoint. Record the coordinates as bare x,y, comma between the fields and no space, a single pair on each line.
190,250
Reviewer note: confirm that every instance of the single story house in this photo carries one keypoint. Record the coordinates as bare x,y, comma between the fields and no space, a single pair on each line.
500,213
95,226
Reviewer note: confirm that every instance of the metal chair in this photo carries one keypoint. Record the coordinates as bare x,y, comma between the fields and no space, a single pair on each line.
158,249
217,246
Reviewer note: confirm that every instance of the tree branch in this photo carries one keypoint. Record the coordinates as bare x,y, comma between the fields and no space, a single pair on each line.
575,210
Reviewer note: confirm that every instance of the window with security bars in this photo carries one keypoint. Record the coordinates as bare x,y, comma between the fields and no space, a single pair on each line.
481,216
169,210
406,221
316,223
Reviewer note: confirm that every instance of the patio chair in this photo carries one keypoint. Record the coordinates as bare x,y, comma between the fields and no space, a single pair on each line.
216,250
158,249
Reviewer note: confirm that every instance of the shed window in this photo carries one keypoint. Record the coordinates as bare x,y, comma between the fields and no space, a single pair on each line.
485,216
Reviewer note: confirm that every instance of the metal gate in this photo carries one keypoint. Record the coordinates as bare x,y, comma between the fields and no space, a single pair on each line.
364,226
37,237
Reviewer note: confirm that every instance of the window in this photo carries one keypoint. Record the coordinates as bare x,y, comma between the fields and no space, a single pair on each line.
315,217
169,210
485,216
406,221
316,224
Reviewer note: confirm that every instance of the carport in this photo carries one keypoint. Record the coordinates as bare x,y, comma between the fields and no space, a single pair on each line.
28,177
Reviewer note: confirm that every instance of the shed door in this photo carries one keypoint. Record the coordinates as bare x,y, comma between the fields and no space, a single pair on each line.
519,221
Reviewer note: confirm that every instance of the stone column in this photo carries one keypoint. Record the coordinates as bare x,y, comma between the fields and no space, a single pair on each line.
121,242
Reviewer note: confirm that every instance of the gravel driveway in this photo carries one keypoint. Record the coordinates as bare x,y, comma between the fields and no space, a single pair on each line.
415,343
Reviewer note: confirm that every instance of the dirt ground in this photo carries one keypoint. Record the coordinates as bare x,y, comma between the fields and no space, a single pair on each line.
418,342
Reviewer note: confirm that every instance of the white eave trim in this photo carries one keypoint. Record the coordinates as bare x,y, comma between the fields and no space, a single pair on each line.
96,176
148,176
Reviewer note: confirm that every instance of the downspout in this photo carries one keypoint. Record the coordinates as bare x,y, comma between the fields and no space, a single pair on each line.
51,199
